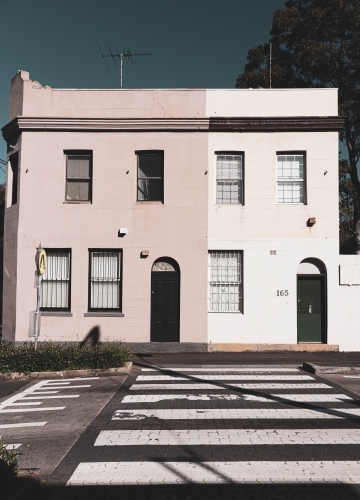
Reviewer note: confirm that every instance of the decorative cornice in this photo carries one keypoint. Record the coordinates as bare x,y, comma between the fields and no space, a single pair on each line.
236,124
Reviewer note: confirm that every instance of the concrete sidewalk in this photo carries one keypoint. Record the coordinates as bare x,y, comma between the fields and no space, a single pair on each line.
349,361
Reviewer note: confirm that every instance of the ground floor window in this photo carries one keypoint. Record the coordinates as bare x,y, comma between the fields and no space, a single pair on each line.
55,284
105,280
225,281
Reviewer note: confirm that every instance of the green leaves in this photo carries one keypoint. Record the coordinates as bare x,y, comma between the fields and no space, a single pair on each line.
51,356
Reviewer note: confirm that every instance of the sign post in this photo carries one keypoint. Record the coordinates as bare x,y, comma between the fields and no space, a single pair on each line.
40,268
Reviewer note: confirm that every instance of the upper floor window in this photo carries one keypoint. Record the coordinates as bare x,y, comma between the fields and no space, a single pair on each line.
14,164
105,280
290,173
55,283
150,175
78,175
229,178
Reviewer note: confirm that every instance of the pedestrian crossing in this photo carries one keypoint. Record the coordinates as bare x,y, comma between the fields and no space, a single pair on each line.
194,426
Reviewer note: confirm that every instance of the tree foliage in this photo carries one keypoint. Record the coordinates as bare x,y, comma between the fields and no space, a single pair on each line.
316,43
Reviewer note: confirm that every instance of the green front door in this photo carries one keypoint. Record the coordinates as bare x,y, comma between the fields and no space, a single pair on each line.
311,308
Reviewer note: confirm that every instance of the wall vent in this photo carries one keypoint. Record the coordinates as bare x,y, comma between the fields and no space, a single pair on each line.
272,252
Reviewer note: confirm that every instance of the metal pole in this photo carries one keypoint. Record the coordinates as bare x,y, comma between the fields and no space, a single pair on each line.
270,61
37,313
121,63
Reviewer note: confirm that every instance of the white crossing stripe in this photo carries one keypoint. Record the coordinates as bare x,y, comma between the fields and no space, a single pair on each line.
12,446
213,437
137,473
17,410
190,386
230,413
25,403
220,369
272,398
25,398
63,387
24,424
174,378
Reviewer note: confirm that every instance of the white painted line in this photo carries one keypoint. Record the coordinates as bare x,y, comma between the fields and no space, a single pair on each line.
57,383
149,473
272,398
227,437
238,414
25,424
25,398
220,369
174,387
67,387
23,403
351,376
12,446
18,410
173,378
70,379
40,393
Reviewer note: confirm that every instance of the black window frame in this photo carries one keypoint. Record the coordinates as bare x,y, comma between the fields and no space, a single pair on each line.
242,180
119,251
293,153
14,164
149,152
60,309
79,152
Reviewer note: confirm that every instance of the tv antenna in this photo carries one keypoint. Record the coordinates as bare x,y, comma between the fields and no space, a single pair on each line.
127,55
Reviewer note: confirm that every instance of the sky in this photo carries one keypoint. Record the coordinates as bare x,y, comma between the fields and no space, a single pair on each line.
194,43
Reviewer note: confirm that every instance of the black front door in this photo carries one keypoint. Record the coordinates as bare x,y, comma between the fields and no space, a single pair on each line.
165,306
311,311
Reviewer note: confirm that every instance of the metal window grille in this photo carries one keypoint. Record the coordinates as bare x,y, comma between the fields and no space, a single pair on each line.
55,284
290,179
78,177
105,280
229,177
150,177
226,284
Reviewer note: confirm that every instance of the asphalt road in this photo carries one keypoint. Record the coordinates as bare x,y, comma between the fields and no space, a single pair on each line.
195,433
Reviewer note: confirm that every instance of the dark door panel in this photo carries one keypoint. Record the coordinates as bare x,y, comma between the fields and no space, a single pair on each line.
165,310
311,308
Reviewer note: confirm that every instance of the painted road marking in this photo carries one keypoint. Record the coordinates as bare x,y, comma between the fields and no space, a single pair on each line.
49,397
151,378
137,473
272,398
21,410
12,446
190,386
228,437
24,424
212,369
229,413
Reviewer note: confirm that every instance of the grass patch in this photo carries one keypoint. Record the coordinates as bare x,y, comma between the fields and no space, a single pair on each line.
50,356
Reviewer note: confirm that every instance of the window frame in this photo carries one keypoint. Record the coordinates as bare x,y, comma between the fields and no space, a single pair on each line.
14,165
241,181
79,152
119,251
60,309
292,153
240,283
149,152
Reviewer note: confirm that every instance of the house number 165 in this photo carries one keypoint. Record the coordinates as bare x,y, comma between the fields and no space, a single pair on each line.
282,293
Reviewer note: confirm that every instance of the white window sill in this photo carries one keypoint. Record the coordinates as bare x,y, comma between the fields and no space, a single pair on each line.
56,313
103,314
77,202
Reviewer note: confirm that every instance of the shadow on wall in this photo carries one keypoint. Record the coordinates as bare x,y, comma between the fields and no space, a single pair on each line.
93,337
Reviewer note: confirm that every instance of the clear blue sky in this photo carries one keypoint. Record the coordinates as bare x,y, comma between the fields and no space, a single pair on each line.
195,43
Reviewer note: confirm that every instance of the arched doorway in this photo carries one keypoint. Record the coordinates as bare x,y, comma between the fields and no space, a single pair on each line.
165,301
311,302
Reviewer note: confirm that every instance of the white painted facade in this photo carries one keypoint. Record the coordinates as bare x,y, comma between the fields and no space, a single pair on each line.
188,126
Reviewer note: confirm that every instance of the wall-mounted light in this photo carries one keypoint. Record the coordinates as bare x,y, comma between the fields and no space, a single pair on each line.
122,232
144,253
311,221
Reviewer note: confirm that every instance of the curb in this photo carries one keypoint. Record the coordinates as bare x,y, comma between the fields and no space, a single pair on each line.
109,372
325,369
26,486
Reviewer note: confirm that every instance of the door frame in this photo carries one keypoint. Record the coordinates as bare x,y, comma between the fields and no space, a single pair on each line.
324,308
176,272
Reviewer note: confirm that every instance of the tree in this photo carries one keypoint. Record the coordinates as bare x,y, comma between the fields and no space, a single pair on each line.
316,43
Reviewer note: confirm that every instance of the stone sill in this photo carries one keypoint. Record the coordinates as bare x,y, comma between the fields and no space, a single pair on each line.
101,314
56,313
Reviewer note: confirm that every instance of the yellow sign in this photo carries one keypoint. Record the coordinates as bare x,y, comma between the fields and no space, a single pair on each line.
41,261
